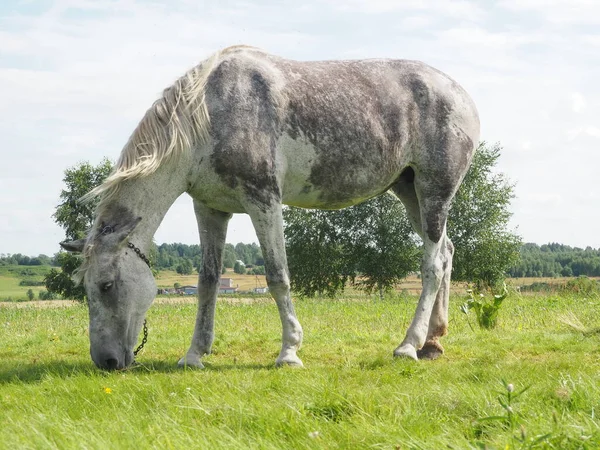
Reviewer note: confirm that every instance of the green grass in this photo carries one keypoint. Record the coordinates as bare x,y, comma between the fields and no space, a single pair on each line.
12,275
352,393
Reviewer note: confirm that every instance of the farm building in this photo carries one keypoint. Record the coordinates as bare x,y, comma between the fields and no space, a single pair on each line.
226,286
189,290
225,282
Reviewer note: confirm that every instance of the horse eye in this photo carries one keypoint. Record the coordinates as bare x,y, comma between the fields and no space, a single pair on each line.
106,286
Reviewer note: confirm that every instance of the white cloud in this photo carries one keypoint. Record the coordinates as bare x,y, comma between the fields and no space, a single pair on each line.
559,12
466,10
577,102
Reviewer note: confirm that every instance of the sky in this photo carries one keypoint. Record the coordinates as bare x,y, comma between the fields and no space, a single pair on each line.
76,76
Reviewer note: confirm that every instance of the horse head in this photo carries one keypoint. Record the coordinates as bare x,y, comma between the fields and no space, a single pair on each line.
120,288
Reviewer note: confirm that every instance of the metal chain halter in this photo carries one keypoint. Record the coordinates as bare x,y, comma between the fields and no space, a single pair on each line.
145,329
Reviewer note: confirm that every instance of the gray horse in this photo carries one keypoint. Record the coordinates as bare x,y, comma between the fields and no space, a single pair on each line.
246,132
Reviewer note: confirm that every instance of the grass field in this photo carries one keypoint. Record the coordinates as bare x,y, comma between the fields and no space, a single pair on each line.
352,393
11,276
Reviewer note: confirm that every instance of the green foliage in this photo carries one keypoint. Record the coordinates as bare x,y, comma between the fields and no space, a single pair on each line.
556,260
370,244
485,309
45,295
583,285
75,218
477,223
72,215
257,270
59,282
185,267
380,242
315,251
24,260
239,268
31,283
229,256
30,294
507,399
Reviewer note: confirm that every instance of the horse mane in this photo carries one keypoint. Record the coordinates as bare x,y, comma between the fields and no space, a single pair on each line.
171,126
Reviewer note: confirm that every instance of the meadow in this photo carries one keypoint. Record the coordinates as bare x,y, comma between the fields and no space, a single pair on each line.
11,277
351,394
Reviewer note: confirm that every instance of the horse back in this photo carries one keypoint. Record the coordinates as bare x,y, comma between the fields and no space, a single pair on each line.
332,133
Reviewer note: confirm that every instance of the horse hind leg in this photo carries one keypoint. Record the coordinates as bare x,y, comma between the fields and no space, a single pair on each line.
438,323
212,226
431,317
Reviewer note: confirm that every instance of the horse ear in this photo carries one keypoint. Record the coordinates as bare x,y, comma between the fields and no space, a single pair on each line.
73,246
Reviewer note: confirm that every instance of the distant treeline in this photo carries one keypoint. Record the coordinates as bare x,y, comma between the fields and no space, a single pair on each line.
22,260
185,258
182,258
549,260
556,260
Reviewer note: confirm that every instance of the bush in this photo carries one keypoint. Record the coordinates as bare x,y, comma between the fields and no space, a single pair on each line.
539,286
45,295
582,285
486,310
31,283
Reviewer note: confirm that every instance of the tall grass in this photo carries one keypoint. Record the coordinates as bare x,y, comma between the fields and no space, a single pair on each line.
352,393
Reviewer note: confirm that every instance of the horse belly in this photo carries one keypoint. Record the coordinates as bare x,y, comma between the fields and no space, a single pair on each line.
300,161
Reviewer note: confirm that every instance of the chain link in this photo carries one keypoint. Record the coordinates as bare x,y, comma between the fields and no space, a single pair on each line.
144,340
147,261
139,253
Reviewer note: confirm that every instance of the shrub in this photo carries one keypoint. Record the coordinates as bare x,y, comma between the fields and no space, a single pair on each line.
582,285
486,309
31,283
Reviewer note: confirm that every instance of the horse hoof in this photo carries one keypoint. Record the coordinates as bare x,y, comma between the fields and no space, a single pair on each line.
406,351
289,361
190,362
431,350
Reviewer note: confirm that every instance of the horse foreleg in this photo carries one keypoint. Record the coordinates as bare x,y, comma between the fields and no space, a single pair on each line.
212,226
269,230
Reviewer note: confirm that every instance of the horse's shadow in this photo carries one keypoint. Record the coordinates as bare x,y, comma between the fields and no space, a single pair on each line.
35,372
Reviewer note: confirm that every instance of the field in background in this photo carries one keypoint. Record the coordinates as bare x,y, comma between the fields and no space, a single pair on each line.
167,278
352,393
10,276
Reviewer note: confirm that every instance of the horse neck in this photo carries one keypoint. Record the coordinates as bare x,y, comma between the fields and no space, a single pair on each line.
149,198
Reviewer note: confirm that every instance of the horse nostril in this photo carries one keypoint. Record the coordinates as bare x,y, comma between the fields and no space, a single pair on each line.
111,363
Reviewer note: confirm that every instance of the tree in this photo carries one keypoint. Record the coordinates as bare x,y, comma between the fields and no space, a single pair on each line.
315,252
485,249
371,244
258,270
239,268
229,256
185,268
30,294
381,243
76,218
